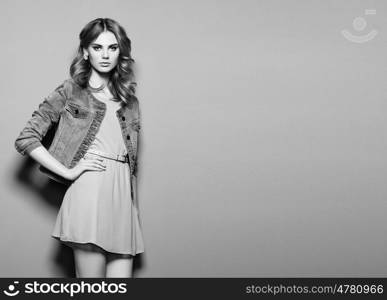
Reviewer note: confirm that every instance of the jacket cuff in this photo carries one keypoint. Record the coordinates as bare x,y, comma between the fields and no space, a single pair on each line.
29,148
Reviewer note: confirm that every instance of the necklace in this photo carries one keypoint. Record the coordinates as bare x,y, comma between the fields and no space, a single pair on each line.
97,89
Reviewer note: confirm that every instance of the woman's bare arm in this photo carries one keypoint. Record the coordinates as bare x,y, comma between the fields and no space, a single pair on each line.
43,157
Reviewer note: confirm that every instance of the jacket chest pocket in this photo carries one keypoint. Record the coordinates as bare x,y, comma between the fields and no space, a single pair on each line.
77,111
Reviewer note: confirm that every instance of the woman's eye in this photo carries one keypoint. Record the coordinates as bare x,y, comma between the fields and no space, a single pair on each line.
96,48
114,48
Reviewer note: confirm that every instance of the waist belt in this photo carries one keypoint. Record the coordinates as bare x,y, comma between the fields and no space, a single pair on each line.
117,157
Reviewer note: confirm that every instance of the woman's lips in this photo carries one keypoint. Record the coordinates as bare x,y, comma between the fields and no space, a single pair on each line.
104,64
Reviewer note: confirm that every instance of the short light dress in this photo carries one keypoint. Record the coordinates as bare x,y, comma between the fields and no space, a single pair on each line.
97,207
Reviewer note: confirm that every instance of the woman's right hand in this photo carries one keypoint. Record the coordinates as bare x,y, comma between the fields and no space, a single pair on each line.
87,163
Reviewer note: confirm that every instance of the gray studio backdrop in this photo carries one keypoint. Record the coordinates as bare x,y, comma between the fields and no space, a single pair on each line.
264,135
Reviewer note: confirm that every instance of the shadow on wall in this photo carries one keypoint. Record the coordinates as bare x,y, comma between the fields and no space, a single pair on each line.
52,194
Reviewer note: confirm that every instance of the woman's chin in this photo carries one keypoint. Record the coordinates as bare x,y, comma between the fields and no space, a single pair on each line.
103,70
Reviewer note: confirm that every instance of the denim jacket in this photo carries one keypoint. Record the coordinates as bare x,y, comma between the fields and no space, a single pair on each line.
77,115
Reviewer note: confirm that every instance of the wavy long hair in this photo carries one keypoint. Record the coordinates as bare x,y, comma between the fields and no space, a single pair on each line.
121,82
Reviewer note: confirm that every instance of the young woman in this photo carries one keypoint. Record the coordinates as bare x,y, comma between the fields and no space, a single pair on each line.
95,115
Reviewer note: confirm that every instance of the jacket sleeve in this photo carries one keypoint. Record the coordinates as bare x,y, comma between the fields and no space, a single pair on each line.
47,114
137,127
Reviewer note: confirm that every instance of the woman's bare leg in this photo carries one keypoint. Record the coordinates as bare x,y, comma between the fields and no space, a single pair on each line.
119,265
89,262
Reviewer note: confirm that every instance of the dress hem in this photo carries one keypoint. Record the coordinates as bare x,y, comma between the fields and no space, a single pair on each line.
59,238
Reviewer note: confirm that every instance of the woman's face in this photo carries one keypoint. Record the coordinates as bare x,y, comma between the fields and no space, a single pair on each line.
103,52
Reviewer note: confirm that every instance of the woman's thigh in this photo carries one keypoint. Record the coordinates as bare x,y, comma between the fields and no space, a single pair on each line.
90,260
118,265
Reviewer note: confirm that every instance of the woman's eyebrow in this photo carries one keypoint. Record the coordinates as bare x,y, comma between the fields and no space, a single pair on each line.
95,44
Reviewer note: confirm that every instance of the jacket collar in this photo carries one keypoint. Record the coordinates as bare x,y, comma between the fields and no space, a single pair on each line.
98,104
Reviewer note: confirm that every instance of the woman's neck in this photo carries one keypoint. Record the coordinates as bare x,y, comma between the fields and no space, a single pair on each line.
99,82
97,79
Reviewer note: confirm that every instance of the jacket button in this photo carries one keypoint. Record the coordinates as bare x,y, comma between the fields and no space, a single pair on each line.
128,137
123,118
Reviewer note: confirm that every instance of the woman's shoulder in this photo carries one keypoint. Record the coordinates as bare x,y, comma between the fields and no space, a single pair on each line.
69,87
70,84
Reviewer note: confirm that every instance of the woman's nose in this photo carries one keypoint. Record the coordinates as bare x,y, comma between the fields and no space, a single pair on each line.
105,54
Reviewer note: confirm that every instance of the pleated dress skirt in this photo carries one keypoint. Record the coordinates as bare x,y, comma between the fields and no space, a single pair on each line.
97,208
